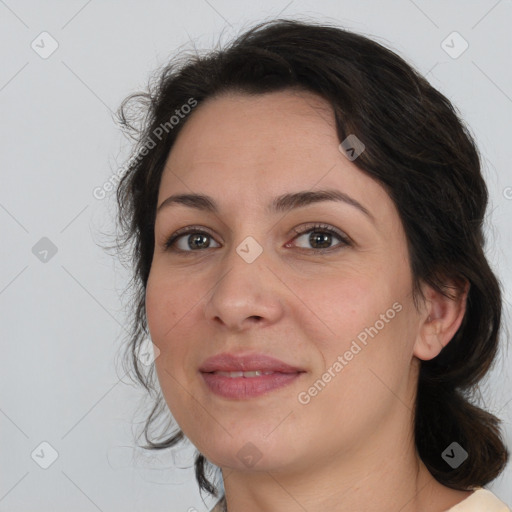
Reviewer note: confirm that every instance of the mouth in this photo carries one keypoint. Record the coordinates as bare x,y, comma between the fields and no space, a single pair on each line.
243,377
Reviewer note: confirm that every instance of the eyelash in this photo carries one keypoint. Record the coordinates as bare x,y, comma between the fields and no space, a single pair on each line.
321,228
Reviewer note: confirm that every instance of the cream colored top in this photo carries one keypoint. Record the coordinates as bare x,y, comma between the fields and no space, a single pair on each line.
482,500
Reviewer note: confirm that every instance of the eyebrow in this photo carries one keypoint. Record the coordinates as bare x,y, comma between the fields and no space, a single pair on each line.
280,204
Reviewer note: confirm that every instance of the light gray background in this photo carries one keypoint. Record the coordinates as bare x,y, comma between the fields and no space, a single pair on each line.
62,320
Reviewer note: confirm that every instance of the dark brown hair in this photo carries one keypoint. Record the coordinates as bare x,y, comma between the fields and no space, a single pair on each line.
417,148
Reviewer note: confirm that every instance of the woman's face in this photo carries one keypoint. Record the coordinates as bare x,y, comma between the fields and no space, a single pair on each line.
263,281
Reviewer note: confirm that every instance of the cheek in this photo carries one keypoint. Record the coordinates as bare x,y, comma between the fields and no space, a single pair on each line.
166,304
169,311
163,311
348,305
153,300
364,381
367,316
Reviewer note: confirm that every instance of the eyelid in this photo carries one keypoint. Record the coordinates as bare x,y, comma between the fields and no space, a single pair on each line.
320,226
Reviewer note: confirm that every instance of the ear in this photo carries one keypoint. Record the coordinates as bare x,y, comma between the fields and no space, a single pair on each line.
440,319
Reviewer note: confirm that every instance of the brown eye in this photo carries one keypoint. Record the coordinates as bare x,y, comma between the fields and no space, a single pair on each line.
188,240
321,237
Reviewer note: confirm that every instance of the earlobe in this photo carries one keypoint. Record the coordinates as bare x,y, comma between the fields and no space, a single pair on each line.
439,321
428,342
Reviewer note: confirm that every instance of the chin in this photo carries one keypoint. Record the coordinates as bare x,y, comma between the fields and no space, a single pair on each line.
244,452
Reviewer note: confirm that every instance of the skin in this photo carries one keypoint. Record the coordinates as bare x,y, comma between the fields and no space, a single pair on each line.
351,448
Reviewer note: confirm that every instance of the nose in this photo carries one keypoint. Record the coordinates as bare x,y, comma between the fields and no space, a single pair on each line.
245,294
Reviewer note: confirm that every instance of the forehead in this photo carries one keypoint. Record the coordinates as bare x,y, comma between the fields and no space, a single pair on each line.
257,146
276,122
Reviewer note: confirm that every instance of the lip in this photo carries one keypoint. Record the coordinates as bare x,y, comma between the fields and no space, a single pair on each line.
240,388
226,362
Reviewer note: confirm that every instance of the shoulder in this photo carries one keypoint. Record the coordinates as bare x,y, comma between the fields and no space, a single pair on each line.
482,500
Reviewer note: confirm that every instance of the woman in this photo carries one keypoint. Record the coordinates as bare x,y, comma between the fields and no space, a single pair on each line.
306,213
